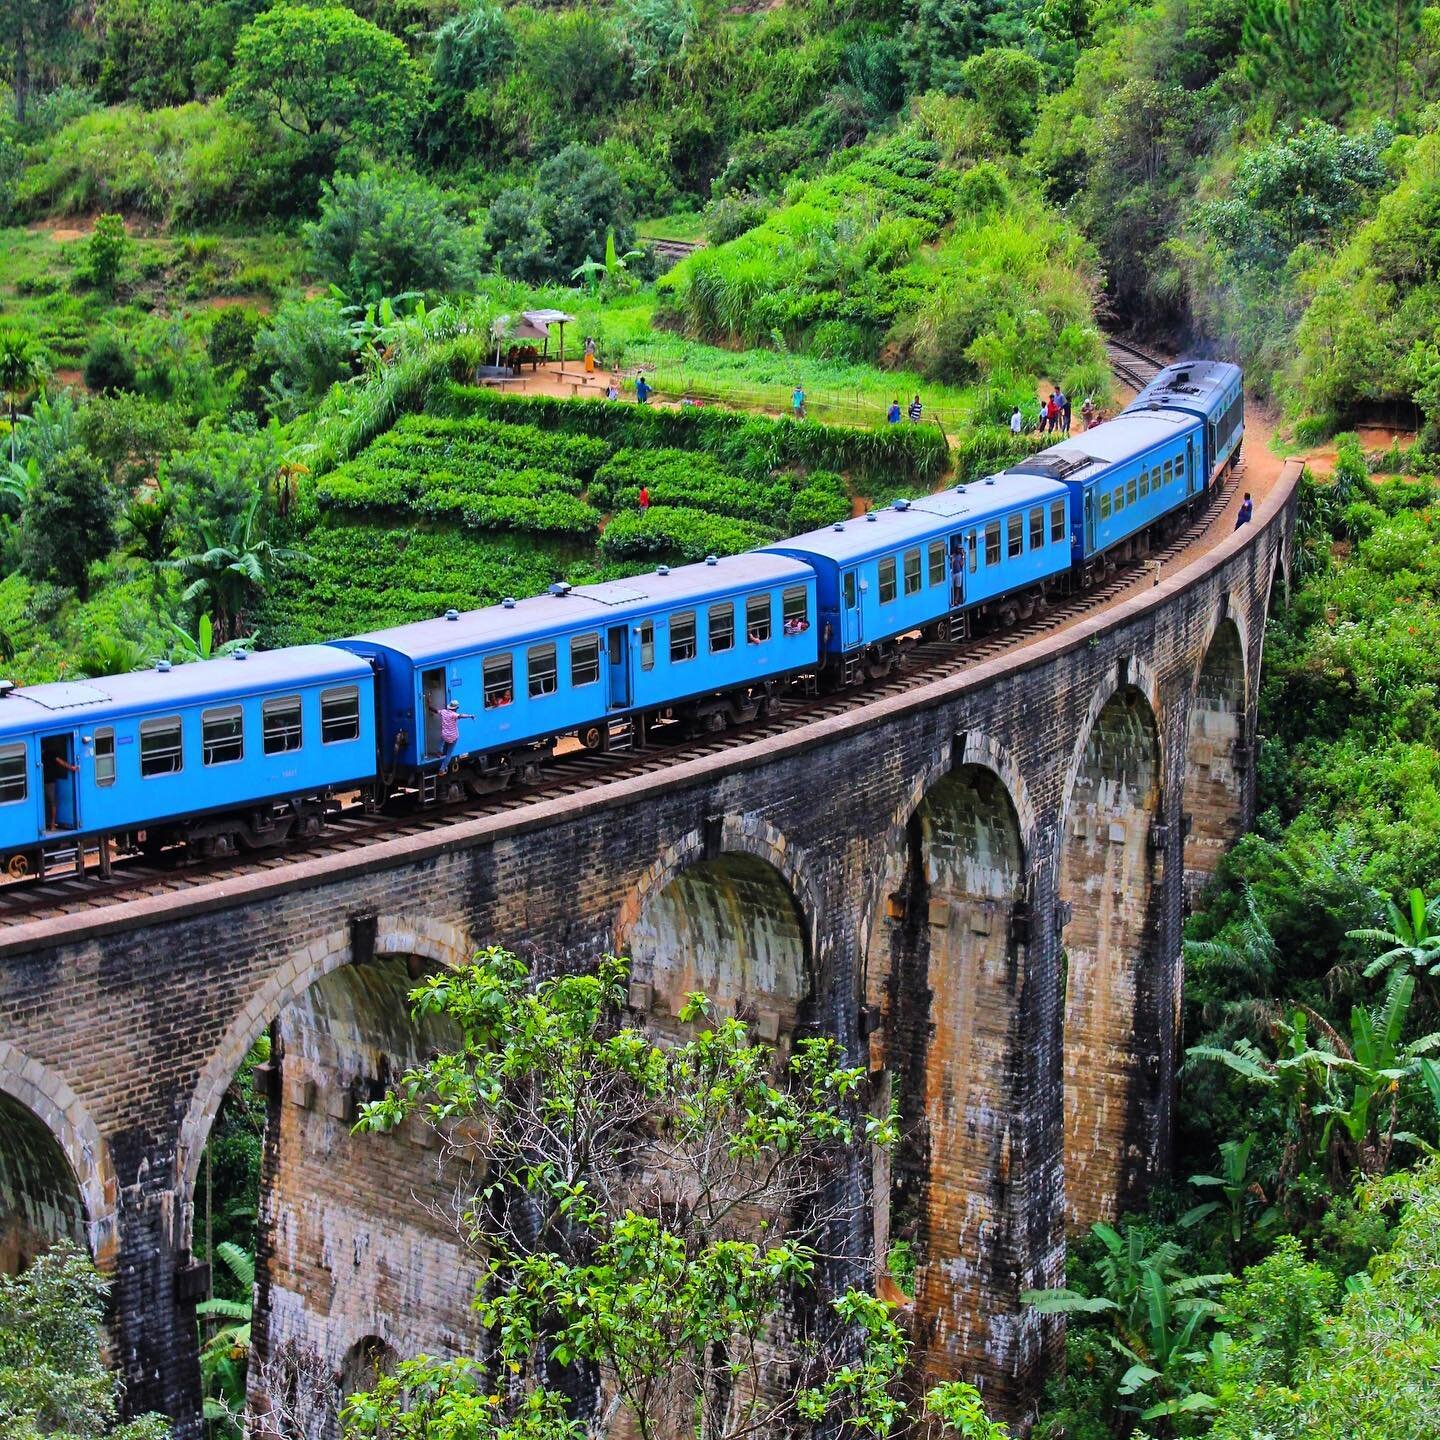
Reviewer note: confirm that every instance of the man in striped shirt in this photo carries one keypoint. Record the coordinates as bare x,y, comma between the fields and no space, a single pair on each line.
916,410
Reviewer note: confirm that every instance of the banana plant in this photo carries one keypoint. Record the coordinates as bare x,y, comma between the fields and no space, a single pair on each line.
608,272
225,1354
1413,937
1241,1192
1157,1317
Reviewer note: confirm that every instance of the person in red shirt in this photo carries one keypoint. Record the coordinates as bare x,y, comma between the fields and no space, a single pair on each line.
643,499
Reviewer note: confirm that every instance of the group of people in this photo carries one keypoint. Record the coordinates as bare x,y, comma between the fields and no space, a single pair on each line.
1056,417
916,412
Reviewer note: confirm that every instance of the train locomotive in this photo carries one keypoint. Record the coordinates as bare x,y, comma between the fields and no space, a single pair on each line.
251,750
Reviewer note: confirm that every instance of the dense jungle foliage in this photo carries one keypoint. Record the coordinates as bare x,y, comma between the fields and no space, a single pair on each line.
252,255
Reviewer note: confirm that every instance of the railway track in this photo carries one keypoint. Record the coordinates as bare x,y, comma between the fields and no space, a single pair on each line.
84,890
1133,365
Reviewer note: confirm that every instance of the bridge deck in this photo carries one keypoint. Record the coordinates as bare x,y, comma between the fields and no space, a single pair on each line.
68,907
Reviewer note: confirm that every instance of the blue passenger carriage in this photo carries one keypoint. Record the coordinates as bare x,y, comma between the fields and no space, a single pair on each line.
702,643
932,564
1212,391
237,751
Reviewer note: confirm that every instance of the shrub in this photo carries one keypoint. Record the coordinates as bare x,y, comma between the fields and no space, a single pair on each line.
678,533
307,347
744,443
681,477
822,501
68,521
191,163
105,251
385,232
109,364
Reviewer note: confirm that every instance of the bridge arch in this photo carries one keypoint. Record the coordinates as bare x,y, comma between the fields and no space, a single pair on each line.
1216,753
433,941
1110,881
56,1175
947,962
728,909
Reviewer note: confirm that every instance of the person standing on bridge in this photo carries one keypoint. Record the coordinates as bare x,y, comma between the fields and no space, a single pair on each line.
1246,510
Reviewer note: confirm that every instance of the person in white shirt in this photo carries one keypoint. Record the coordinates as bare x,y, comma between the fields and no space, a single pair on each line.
1017,422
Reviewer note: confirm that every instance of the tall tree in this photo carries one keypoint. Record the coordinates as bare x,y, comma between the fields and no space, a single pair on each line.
665,1234
327,76
69,521
35,33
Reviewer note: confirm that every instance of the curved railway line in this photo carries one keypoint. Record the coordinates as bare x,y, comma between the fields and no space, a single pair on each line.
1134,366
80,888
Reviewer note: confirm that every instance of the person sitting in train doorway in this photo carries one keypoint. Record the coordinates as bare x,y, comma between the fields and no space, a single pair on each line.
56,768
1246,511
450,718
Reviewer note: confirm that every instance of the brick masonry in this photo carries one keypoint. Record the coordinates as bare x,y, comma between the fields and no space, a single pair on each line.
901,876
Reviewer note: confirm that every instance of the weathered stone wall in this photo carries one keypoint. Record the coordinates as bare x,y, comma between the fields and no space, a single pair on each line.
961,798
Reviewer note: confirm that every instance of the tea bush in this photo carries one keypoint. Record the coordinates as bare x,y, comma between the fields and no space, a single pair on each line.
677,533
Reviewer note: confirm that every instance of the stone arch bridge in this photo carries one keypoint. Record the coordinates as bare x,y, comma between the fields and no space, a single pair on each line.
978,884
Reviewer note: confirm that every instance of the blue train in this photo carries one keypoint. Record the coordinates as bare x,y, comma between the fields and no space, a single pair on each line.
248,751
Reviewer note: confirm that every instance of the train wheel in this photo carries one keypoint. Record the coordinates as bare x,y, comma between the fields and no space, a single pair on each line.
18,867
592,737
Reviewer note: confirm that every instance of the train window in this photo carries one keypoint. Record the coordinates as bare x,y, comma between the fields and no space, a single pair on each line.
887,579
542,674
1014,536
1057,521
161,751
498,680
794,610
974,550
1144,483
722,628
937,562
682,636
1037,527
851,594
992,543
1179,467
912,572
757,618
222,736
585,660
15,772
105,756
647,644
339,715
280,720
1104,504
1169,472
1130,491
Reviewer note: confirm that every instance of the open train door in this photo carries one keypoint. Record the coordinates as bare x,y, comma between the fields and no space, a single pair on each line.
617,667
1194,480
59,773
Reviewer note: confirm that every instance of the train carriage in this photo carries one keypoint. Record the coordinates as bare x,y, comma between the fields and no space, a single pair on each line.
930,562
218,753
585,660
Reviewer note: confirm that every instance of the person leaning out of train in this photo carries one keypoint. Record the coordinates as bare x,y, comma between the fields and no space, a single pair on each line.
450,718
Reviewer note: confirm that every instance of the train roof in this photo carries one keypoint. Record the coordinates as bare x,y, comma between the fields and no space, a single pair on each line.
38,707
1127,436
907,521
1189,384
565,608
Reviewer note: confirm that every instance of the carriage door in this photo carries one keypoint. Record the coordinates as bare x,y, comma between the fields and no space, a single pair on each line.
1089,522
432,688
957,570
617,666
62,812
851,630
1194,481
